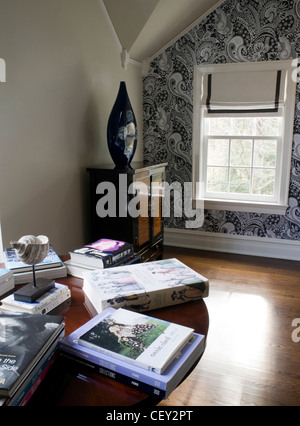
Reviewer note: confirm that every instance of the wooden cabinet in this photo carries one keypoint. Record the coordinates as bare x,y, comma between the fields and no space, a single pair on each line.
127,205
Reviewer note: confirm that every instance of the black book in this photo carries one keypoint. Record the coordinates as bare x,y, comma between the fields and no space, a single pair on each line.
24,339
103,253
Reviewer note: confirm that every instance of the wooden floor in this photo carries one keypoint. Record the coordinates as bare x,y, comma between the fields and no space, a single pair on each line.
250,357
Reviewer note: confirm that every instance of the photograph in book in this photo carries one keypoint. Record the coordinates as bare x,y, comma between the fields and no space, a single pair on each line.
107,245
102,253
144,286
23,340
138,338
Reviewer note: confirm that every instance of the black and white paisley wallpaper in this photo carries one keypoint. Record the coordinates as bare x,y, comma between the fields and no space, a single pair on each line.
238,31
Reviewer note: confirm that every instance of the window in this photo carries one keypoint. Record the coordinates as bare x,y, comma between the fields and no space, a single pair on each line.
243,127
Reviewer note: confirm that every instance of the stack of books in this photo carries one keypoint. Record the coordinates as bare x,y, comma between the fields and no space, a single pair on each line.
6,281
51,267
104,253
59,294
145,286
28,346
136,349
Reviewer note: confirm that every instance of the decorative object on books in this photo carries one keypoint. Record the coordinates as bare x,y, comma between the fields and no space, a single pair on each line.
32,250
51,267
24,340
144,286
122,130
136,338
12,262
102,253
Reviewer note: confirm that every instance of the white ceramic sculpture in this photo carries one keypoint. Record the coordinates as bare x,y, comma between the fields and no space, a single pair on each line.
30,249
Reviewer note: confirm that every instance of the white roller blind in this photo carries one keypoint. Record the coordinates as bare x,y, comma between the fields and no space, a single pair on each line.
244,91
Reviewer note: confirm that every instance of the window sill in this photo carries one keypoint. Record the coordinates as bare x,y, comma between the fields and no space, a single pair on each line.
241,206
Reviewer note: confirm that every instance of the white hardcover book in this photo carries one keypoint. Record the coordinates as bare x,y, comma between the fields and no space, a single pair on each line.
144,286
136,338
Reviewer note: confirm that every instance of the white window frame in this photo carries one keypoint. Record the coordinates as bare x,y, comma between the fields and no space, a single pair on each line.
276,206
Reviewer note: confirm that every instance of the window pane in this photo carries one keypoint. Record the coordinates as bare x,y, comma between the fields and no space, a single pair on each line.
242,126
218,152
217,179
219,126
265,153
240,180
267,126
263,181
241,152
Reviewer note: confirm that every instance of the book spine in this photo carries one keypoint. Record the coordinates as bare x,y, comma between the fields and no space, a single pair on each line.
143,302
108,362
6,287
41,308
117,258
22,398
107,261
58,301
152,390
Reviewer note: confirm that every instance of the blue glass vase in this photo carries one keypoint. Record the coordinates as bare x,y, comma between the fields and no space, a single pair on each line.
122,130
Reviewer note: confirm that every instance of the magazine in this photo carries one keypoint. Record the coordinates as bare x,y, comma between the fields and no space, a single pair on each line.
139,339
144,286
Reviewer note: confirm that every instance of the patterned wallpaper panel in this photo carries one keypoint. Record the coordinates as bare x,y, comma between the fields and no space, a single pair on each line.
238,31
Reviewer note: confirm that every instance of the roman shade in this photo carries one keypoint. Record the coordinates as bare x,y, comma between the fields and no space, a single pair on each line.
243,91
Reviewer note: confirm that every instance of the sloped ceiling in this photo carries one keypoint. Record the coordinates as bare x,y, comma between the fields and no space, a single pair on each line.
144,27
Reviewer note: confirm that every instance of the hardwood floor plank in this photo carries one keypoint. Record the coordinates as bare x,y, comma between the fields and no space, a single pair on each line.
250,357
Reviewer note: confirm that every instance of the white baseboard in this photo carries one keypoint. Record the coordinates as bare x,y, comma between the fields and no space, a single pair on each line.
237,244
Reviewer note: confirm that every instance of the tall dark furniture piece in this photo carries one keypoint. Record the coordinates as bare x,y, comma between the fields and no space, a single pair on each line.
112,197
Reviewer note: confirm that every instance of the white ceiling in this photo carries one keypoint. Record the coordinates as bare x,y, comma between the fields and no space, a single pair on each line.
144,27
